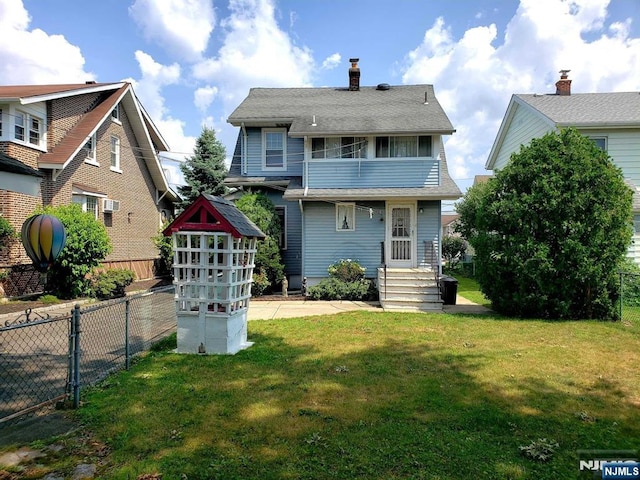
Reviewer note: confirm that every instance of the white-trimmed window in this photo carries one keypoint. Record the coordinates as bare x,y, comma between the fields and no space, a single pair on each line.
18,125
27,128
115,113
345,217
115,153
339,147
274,149
601,142
89,203
282,218
406,146
90,149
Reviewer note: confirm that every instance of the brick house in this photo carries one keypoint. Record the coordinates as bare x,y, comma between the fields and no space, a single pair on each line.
91,144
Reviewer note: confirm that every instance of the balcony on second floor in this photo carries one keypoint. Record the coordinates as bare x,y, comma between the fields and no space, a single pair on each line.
371,162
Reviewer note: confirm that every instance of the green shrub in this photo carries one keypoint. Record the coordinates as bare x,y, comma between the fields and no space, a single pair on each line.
87,245
111,283
335,289
7,232
347,270
453,250
49,299
164,244
260,283
261,211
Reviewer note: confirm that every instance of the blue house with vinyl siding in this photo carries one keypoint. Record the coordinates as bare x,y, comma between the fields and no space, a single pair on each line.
355,172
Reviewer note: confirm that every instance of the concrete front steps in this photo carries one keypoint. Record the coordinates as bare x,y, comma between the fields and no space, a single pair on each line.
409,289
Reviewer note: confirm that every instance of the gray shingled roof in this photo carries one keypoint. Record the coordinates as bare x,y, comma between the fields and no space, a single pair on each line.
235,217
588,109
338,111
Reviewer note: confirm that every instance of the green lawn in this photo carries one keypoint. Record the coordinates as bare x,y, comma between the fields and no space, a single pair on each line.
374,396
469,289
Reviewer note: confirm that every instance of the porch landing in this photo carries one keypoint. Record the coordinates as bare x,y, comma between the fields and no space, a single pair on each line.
409,289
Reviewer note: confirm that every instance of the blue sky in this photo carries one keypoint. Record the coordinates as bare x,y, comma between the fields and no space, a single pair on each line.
193,61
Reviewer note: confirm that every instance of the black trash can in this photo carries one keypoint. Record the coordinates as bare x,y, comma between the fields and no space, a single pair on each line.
448,290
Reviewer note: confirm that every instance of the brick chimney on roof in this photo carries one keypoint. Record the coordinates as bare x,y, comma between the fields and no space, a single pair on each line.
354,75
563,86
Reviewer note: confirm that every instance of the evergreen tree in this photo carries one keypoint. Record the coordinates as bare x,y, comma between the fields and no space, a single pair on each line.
205,171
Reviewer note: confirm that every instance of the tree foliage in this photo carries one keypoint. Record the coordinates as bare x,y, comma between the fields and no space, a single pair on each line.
261,211
550,230
453,250
205,171
87,245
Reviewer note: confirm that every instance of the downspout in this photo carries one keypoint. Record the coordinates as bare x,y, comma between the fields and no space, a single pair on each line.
243,149
306,169
304,288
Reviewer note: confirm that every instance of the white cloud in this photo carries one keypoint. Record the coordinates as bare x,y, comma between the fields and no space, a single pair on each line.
255,52
204,97
475,76
148,89
41,58
182,27
332,61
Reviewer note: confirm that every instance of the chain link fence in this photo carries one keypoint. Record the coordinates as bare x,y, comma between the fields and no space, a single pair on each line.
630,298
46,360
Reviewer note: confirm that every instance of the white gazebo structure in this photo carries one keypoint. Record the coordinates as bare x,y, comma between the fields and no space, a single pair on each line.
214,247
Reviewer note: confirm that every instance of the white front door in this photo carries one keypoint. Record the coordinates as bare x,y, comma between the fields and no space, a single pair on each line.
400,235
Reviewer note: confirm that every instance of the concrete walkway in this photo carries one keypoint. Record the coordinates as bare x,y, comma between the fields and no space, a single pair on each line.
271,309
268,310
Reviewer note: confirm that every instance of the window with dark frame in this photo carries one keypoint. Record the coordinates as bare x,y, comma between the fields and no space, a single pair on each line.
406,146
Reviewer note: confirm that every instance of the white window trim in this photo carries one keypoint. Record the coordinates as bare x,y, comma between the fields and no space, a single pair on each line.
91,152
116,118
339,221
283,131
115,168
84,196
9,115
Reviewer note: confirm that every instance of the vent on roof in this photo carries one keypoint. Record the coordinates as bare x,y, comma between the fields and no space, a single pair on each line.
90,82
383,86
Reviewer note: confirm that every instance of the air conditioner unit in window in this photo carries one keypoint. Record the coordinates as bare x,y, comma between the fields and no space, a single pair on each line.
109,205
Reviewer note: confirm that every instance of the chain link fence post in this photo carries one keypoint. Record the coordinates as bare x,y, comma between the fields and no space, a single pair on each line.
127,317
75,333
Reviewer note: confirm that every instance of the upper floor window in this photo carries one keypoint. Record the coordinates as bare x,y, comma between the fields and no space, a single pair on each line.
601,142
115,113
274,149
90,148
115,153
404,146
27,128
18,126
339,147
